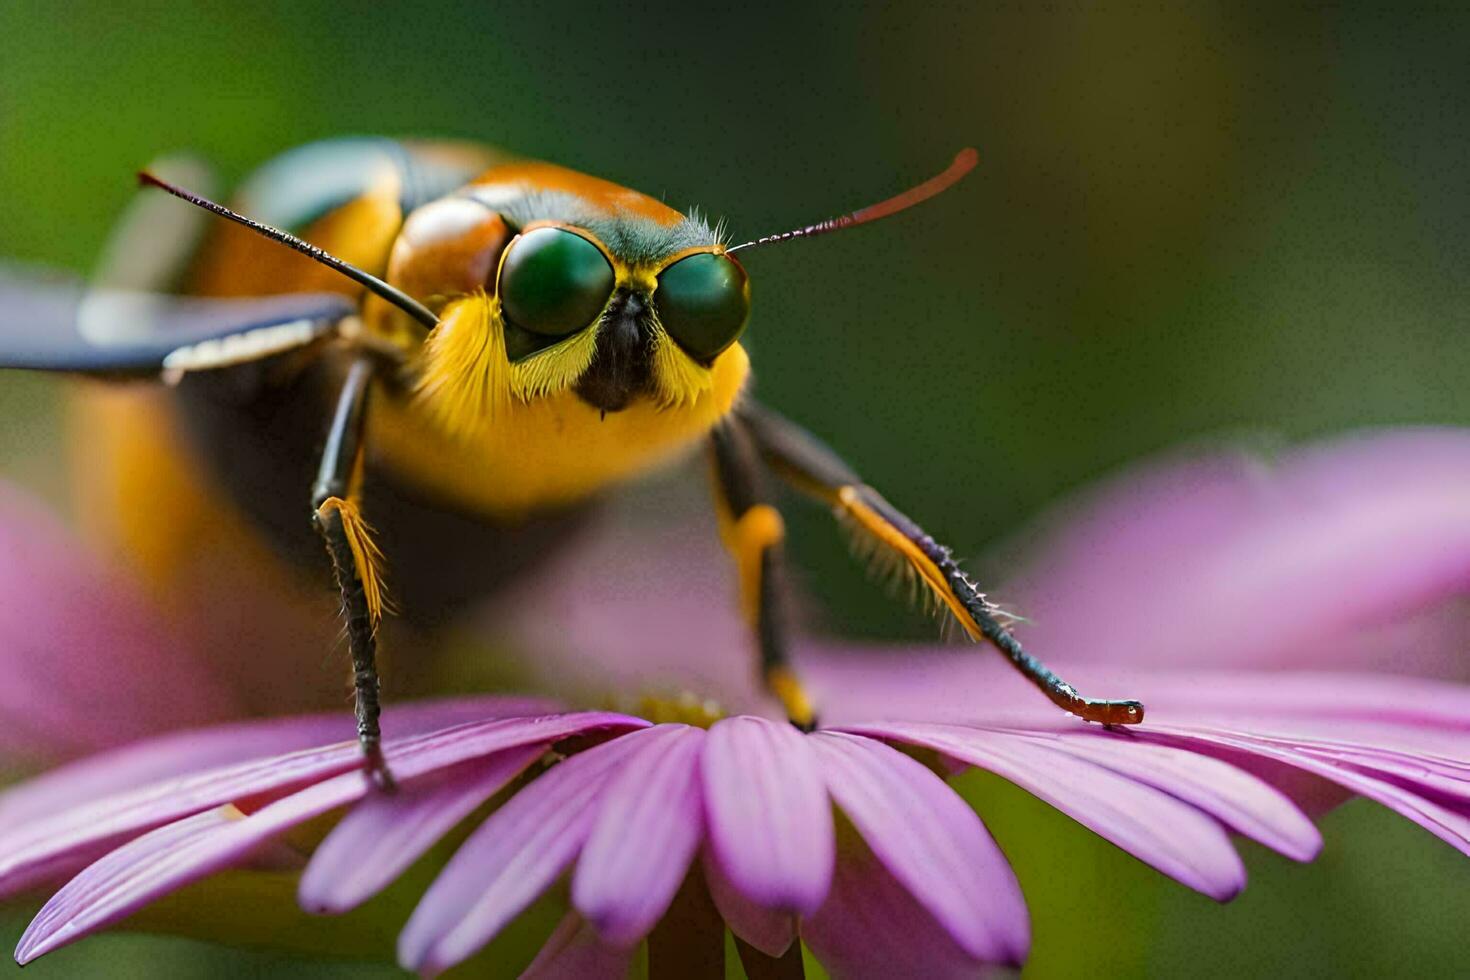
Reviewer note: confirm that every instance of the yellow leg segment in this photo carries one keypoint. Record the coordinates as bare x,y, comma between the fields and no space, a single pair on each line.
754,533
748,538
786,686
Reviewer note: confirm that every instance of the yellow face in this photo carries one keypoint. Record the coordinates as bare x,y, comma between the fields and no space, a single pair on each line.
604,341
567,314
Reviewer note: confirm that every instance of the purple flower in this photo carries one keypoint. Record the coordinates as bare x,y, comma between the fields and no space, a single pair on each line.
849,837
627,808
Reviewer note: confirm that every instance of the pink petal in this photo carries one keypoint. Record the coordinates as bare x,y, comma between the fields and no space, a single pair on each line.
1447,823
1236,561
160,758
384,834
142,870
511,858
1444,778
770,822
165,860
767,930
1435,761
872,928
179,753
46,846
575,950
64,918
87,661
1155,827
1239,800
648,829
932,843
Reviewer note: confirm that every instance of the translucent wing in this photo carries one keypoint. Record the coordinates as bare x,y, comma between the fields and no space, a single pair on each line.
49,323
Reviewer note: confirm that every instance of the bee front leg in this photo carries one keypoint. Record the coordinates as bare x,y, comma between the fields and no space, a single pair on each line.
356,560
753,532
807,464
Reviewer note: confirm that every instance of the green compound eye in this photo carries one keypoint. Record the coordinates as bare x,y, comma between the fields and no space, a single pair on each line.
554,282
702,301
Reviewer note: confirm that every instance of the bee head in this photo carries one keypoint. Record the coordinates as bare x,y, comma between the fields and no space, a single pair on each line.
614,298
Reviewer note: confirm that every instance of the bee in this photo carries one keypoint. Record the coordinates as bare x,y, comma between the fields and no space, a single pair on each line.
488,343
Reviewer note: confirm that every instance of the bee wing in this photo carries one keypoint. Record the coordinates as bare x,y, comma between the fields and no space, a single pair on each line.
50,323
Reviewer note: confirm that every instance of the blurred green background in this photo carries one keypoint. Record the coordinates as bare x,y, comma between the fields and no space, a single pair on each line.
1189,224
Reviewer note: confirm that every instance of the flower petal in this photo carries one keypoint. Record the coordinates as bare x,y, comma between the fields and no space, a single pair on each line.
84,655
1444,778
510,859
575,950
932,843
384,834
1241,801
649,825
48,846
767,930
142,871
61,920
1447,823
179,753
168,858
1155,827
770,821
872,928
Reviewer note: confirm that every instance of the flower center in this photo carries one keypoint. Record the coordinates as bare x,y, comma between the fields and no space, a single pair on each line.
683,708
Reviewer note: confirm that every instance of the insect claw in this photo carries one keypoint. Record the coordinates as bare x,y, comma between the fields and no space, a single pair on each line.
375,767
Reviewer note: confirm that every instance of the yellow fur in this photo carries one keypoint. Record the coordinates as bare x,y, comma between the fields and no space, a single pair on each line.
679,380
554,369
365,553
464,382
886,540
484,443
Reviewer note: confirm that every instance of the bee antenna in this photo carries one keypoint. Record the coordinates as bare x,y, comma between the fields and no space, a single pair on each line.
397,297
964,162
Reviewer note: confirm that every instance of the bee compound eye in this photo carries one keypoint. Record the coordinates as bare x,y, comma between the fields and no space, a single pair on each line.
554,282
703,302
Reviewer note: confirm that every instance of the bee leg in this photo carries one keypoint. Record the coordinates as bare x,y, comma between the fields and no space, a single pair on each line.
753,532
807,464
355,559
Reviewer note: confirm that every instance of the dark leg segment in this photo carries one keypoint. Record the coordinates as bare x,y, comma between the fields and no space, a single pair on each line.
354,557
754,532
803,460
